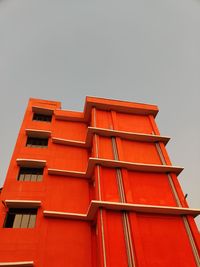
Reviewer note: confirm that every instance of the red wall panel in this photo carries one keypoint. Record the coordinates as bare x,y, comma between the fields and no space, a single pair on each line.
51,243
116,248
164,241
74,239
150,188
141,152
68,157
103,119
105,148
109,187
134,123
70,130
67,194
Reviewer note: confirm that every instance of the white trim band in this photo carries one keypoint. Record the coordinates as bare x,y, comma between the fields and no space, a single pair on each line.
118,206
131,166
31,163
140,137
10,203
17,263
38,133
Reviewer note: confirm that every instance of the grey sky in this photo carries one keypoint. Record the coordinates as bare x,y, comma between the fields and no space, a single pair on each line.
141,51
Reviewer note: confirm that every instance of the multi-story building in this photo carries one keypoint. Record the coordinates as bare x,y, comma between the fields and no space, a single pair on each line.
94,189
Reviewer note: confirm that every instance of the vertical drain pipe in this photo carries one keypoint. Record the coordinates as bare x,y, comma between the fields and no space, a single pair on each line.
185,221
100,195
126,225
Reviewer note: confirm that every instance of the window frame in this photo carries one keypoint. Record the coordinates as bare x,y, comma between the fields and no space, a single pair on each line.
41,117
37,140
23,218
23,173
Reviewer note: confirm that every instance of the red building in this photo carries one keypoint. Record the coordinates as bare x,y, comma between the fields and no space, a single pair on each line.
94,189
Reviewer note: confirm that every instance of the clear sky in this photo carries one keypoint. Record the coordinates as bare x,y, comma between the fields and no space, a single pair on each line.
140,51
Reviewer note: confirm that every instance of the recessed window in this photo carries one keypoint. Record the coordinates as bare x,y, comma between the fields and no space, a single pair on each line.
42,117
30,174
36,142
20,218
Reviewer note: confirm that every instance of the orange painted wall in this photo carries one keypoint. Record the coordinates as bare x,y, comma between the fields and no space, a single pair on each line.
164,241
52,241
140,152
109,188
136,123
157,240
115,245
150,188
105,148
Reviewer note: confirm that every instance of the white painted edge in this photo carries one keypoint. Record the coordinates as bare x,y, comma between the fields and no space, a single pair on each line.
118,206
134,136
17,263
10,203
66,173
67,215
22,162
38,133
68,142
140,137
131,166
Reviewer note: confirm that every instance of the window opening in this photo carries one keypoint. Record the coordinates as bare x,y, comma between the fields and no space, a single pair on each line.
42,117
30,174
36,142
20,218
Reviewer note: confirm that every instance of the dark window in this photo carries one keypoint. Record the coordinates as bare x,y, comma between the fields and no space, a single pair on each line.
20,218
37,142
30,174
42,117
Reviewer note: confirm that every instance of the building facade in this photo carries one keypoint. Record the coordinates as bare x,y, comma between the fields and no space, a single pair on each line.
94,189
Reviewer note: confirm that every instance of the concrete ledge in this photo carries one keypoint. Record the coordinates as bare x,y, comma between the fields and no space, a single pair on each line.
65,215
10,203
18,263
140,137
67,173
38,133
68,142
132,166
31,163
108,163
118,206
127,135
